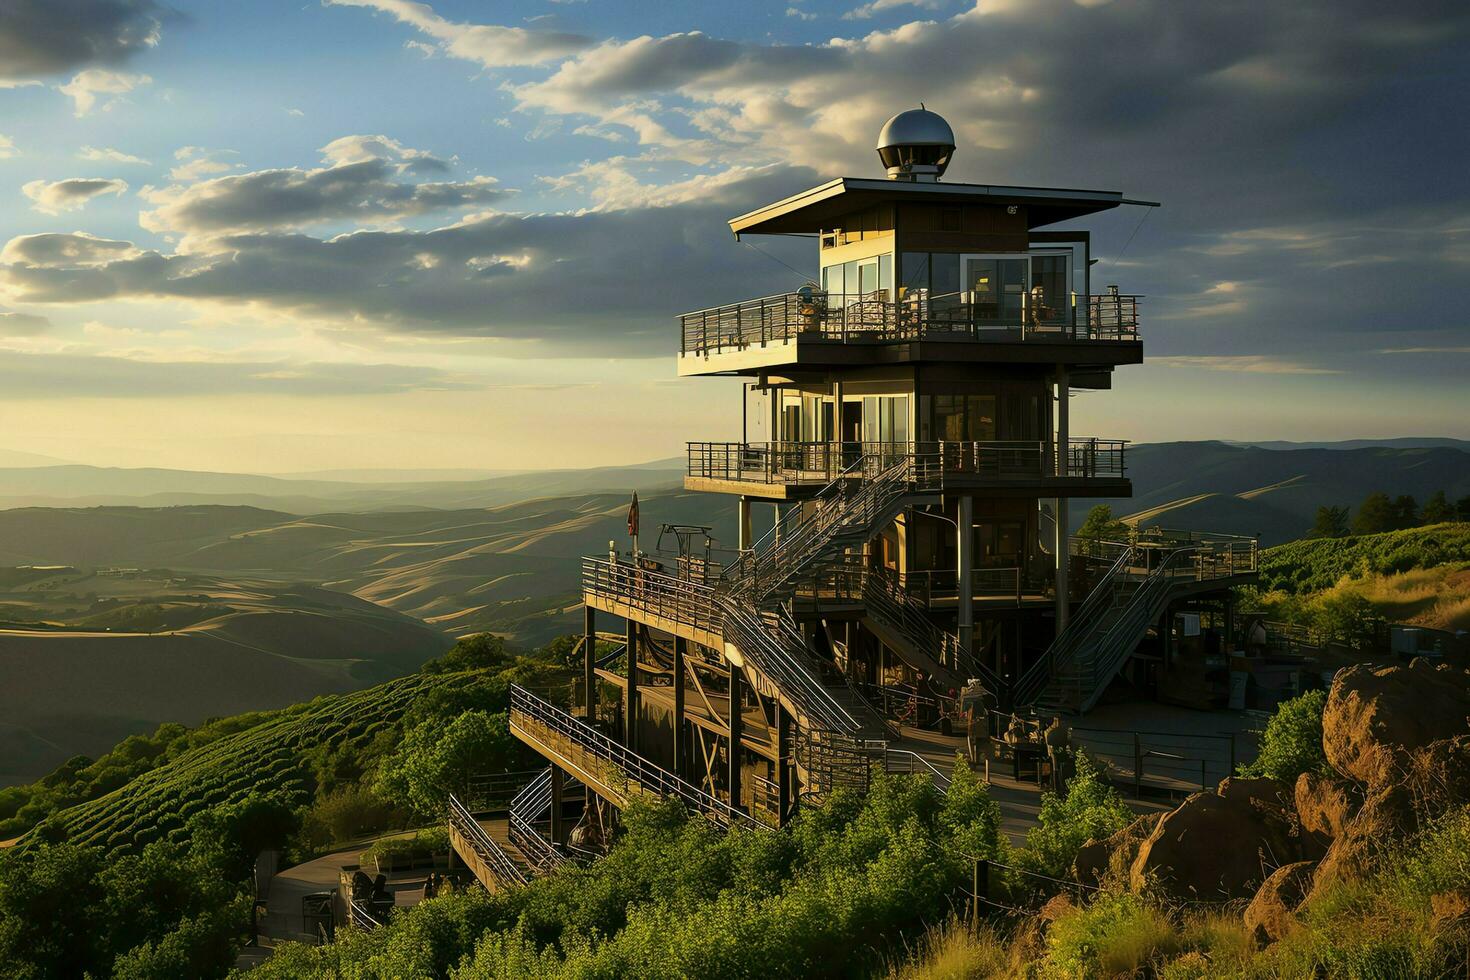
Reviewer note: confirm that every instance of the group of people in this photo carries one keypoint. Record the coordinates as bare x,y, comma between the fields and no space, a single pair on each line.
1056,738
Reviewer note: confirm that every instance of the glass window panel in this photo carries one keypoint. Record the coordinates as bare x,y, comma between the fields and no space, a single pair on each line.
915,270
900,423
867,276
885,271
1049,299
980,423
946,272
870,418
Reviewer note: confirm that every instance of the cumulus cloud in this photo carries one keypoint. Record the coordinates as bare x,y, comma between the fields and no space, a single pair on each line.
490,45
87,86
71,194
7,147
44,37
196,162
365,180
879,6
604,281
107,154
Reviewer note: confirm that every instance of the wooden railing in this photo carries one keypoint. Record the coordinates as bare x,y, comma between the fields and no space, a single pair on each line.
822,462
876,318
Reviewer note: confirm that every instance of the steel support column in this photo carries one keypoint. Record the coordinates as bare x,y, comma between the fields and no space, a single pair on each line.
630,707
1063,437
784,769
744,538
680,650
589,661
965,551
735,734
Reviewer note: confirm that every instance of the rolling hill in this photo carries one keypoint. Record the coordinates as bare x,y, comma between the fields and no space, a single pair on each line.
1275,493
90,658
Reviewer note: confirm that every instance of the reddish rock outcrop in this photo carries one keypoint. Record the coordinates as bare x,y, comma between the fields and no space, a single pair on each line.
1113,855
1376,717
1216,846
1272,913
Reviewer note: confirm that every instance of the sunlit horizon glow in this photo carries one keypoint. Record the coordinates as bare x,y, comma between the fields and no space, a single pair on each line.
281,237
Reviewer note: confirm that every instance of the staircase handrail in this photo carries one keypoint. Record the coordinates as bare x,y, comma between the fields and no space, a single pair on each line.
907,760
1058,653
630,764
484,846
884,594
1117,643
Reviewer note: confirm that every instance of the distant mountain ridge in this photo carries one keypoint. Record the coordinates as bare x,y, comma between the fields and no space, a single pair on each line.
77,485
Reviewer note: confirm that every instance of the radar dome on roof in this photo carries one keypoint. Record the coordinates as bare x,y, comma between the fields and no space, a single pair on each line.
916,145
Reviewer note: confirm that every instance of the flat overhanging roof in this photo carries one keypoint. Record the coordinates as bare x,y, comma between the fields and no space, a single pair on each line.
814,209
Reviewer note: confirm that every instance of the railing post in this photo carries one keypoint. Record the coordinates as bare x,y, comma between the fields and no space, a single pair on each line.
1137,766
980,888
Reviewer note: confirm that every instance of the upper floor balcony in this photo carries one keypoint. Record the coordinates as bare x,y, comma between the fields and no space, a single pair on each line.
810,326
793,470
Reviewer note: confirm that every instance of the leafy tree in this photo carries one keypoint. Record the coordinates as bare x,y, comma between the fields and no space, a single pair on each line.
1462,509
1332,522
436,759
1437,510
1292,741
1100,525
479,652
1376,514
1405,512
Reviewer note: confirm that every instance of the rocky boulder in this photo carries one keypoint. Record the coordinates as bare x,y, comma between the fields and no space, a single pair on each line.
1216,846
1376,717
1113,855
1272,913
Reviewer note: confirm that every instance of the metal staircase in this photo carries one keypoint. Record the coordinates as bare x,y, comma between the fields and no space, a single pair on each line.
611,770
490,861
1104,631
902,622
838,517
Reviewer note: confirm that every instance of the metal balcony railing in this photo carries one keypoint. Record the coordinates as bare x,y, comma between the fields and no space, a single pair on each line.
875,318
795,463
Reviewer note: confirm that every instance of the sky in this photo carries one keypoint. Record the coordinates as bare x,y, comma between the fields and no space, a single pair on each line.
294,236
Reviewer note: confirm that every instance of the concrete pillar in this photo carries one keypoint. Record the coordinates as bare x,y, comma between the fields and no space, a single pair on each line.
1063,435
735,734
630,706
558,784
744,538
589,661
964,549
680,649
784,769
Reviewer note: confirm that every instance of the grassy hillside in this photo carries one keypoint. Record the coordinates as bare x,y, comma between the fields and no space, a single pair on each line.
89,659
1314,564
269,752
1215,486
1337,586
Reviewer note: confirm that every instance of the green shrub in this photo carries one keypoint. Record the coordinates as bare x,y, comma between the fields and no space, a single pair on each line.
1292,741
1090,810
423,844
1116,935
